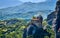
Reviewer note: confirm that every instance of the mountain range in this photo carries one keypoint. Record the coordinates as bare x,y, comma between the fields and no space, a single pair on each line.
28,9
9,3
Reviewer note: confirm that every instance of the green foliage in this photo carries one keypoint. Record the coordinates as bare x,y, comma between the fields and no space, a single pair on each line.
46,37
31,36
44,23
1,32
19,27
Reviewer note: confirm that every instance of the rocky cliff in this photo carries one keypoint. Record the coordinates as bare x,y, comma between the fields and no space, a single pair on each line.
58,15
54,17
51,17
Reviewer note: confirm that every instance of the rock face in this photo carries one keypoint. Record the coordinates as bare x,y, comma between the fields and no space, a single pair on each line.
54,19
51,17
58,15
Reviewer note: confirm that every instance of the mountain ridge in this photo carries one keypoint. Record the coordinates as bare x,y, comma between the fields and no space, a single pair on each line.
26,7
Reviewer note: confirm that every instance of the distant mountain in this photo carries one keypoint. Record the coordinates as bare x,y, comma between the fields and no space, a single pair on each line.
9,3
27,10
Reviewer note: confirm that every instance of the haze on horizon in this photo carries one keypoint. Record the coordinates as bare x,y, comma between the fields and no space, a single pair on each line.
36,1
9,3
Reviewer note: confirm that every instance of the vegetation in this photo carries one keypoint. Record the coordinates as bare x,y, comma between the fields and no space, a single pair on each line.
15,30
